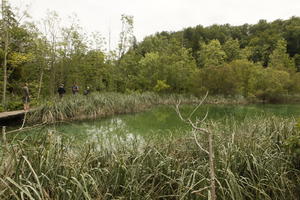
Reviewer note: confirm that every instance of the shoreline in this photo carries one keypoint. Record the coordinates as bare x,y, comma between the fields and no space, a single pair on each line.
100,105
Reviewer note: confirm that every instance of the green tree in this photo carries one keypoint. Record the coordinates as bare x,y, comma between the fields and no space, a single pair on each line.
129,70
295,83
291,33
16,42
94,73
174,64
271,84
5,36
211,54
216,80
151,71
280,60
126,35
244,73
297,62
232,50
51,31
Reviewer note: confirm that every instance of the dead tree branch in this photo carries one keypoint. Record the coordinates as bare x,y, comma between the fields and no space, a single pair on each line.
196,125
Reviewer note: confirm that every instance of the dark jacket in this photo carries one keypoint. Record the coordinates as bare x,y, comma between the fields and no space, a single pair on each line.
61,90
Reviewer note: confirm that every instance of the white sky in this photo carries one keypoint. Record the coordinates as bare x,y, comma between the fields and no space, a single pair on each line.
151,16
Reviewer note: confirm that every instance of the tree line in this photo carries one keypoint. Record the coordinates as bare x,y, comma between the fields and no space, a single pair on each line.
255,61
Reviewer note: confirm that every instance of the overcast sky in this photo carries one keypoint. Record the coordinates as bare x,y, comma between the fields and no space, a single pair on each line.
151,16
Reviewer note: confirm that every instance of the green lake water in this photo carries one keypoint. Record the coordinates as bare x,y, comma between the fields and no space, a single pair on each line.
162,121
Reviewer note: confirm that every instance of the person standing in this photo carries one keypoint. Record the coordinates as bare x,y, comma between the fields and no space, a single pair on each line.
61,90
75,89
26,97
86,91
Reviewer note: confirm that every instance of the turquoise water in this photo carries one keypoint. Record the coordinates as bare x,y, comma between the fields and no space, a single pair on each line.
162,121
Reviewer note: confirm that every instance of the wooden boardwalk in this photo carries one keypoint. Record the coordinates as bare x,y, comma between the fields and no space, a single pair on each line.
11,114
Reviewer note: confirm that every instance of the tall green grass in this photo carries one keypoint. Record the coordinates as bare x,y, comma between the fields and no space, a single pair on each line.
252,162
98,105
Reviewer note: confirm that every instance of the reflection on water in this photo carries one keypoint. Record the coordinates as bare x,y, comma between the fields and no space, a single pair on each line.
94,132
112,134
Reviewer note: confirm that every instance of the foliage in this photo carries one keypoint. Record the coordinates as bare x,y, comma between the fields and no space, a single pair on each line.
232,50
242,77
161,86
280,60
126,35
271,84
211,54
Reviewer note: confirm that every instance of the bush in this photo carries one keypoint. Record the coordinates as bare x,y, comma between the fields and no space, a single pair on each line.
161,86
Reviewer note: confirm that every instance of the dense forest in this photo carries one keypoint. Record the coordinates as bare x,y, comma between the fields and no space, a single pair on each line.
259,61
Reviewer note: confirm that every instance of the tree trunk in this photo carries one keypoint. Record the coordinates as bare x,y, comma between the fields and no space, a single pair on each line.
53,68
5,54
40,83
4,75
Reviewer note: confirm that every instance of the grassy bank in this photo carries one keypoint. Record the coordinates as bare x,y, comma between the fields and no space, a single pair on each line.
255,159
99,105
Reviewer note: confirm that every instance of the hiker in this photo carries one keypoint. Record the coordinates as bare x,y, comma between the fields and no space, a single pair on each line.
61,90
75,89
86,91
25,97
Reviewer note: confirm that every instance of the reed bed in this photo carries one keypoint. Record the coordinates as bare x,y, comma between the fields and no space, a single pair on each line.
98,105
253,161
